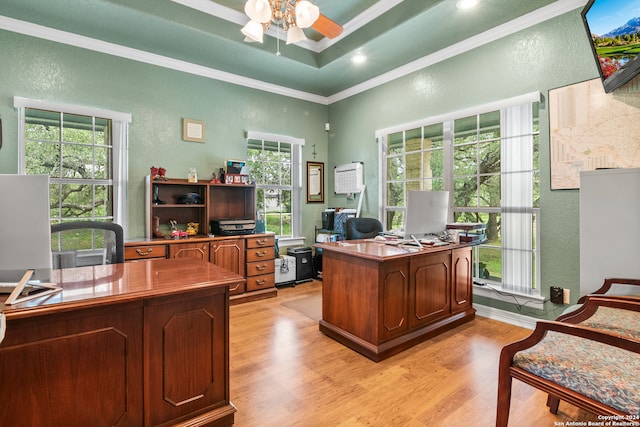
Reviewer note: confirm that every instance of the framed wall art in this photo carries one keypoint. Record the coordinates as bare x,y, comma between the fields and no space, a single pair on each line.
590,129
315,182
193,130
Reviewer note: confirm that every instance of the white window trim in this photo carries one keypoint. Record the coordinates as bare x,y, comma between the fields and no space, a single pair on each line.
534,300
19,102
120,145
296,179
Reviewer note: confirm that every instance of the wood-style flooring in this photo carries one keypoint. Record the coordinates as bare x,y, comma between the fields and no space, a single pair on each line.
285,372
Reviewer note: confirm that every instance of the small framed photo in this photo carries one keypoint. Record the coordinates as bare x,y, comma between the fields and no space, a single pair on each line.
315,182
193,130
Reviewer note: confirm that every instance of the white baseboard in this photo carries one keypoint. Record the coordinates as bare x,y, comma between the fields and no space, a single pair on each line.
505,316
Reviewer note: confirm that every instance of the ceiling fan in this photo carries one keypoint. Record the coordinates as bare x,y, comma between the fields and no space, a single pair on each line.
292,15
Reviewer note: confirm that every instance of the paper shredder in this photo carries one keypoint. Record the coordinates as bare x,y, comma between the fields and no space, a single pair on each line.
304,263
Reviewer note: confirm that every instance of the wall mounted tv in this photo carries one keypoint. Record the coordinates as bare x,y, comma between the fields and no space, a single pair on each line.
613,27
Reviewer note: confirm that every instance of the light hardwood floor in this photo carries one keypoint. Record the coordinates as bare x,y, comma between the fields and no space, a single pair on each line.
285,372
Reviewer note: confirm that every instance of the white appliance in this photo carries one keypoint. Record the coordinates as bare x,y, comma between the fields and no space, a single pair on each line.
285,269
609,227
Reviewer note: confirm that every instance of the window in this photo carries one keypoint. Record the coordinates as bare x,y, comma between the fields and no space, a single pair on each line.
275,165
84,153
488,160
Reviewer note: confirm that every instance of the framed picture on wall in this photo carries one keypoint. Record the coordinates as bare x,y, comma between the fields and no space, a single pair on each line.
590,129
193,130
315,182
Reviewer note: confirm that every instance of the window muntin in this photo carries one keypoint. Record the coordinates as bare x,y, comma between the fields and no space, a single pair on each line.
77,153
469,160
271,164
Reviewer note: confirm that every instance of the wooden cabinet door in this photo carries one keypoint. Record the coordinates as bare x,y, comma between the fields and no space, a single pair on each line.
430,290
394,299
228,254
56,369
198,250
186,350
461,280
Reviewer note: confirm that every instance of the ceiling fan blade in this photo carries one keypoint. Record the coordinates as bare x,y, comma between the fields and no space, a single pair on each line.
327,27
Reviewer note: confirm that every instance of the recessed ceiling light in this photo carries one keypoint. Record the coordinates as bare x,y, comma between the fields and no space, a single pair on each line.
466,4
358,58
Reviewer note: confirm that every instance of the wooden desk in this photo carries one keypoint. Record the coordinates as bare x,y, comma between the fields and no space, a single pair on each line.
380,300
133,344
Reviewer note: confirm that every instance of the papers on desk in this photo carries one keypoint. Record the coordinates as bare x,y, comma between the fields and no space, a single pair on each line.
25,289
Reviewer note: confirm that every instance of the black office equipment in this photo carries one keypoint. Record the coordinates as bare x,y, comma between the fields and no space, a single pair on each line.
304,263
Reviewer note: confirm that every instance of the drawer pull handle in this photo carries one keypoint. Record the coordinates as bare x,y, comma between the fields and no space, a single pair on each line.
261,254
261,282
143,252
262,242
261,267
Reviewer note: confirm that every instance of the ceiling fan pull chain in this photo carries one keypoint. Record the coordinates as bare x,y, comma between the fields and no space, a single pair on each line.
278,42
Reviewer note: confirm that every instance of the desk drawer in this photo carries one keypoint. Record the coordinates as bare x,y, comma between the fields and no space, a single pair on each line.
145,252
260,267
260,254
256,283
260,242
236,288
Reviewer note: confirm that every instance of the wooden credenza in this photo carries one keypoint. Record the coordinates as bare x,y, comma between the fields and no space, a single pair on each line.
380,300
133,344
251,256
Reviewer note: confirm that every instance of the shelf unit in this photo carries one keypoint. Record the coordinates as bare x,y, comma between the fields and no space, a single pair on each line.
219,201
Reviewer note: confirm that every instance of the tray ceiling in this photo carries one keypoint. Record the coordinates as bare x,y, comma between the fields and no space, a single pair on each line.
205,35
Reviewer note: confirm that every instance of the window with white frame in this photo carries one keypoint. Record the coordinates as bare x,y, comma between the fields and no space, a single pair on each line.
275,164
487,158
84,152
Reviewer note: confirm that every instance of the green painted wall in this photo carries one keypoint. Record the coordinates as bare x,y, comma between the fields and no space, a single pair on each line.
553,54
549,55
158,99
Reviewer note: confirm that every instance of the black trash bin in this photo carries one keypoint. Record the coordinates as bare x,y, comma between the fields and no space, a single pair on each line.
304,263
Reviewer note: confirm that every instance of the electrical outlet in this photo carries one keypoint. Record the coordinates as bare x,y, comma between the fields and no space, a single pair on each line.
556,294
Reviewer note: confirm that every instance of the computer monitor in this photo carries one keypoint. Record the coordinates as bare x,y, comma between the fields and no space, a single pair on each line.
25,227
427,213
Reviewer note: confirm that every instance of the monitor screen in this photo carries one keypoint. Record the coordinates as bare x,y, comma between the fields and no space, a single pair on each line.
613,28
427,213
26,230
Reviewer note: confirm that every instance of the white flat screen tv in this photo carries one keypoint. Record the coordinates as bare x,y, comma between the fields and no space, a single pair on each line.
427,213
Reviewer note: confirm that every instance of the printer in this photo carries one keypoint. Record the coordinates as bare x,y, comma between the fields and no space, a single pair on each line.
232,227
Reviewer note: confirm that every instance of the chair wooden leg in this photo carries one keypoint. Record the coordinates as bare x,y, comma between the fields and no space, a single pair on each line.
553,403
504,396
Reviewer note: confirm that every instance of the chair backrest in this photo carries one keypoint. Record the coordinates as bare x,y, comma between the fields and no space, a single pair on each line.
362,228
81,243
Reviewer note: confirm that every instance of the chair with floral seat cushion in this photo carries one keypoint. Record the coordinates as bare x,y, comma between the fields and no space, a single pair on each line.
594,369
618,286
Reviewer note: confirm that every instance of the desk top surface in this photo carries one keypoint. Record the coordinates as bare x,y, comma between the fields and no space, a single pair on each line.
130,281
380,251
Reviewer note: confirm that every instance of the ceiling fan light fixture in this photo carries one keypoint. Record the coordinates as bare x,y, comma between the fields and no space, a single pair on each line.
253,31
295,35
306,13
258,10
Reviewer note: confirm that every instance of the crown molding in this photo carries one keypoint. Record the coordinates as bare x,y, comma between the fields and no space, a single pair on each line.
525,21
231,15
39,31
533,18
